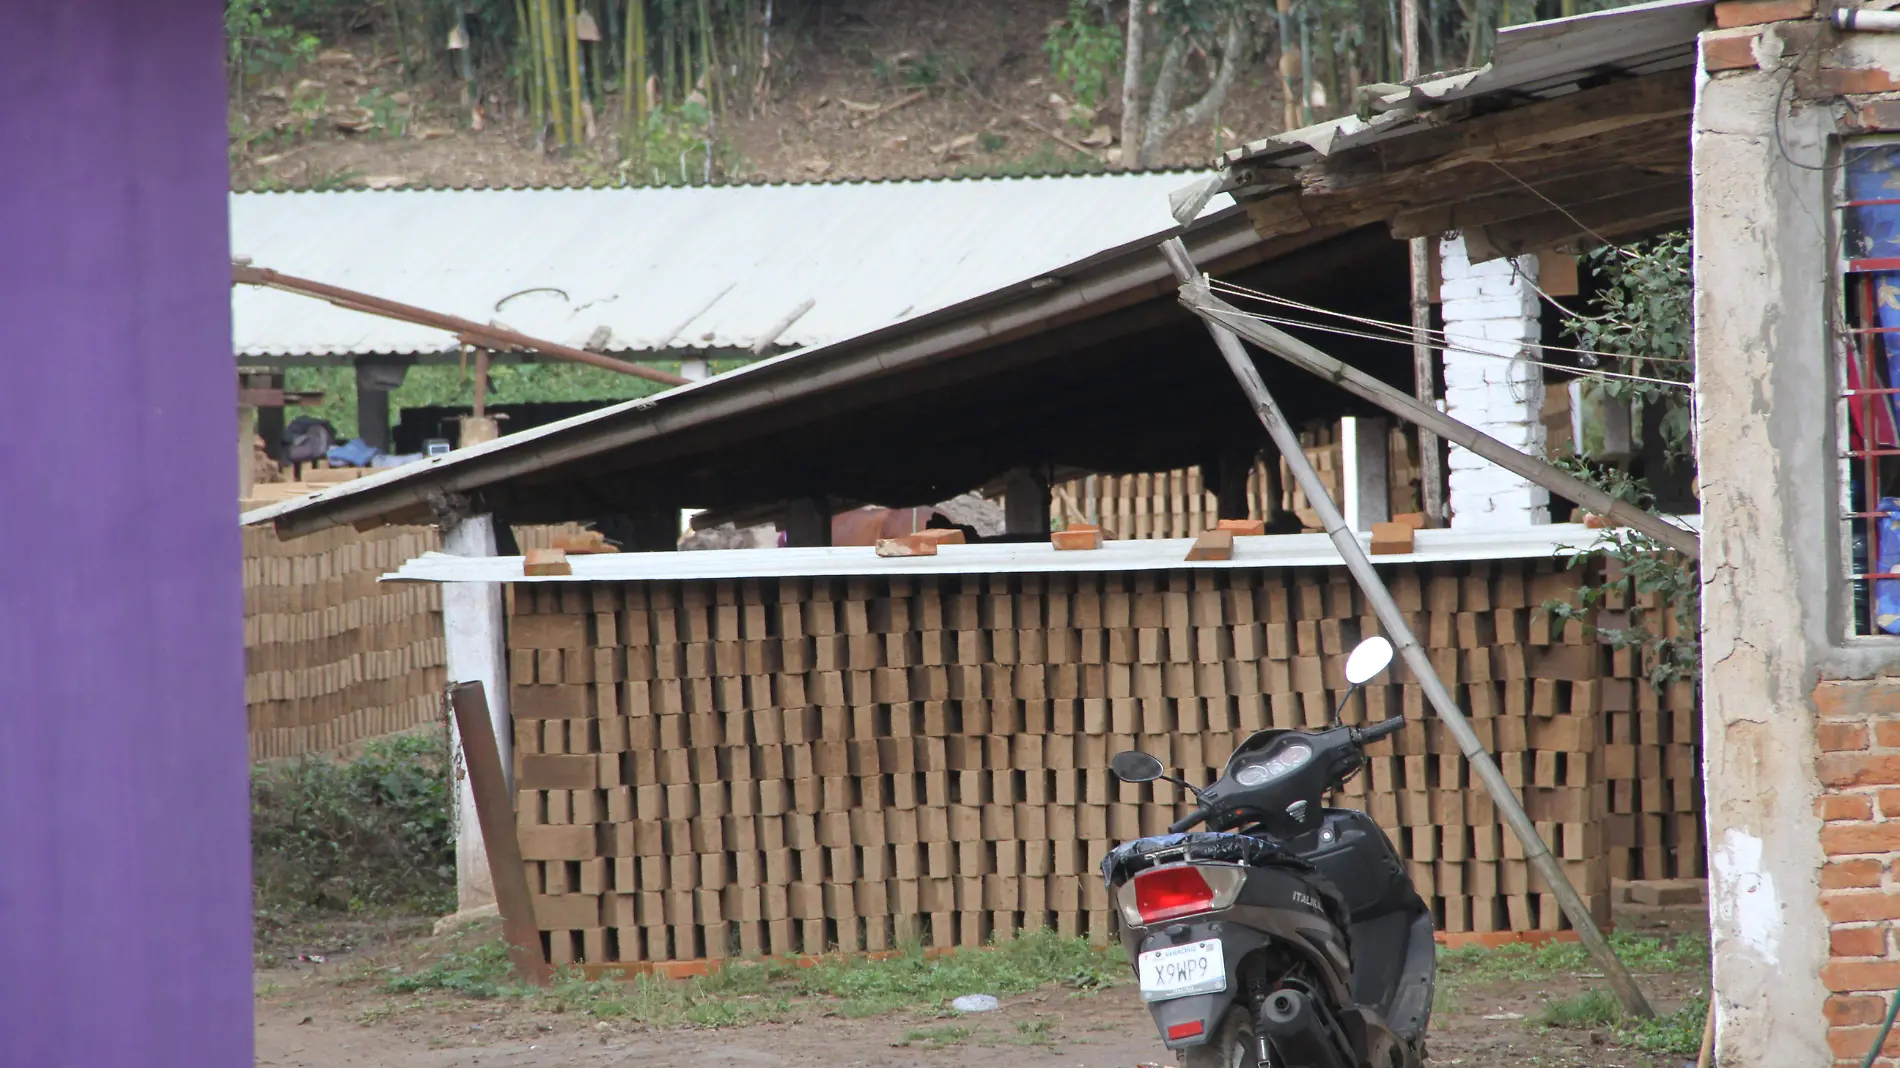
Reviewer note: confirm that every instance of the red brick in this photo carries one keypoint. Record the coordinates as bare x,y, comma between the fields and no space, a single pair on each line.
1858,769
1856,1041
1729,53
1874,116
1842,81
1847,806
1839,839
1854,1010
1889,802
1859,906
1887,733
1857,698
1754,12
1847,874
1841,737
1857,942
1854,975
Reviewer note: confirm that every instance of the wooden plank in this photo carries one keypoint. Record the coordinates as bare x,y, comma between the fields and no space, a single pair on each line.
495,810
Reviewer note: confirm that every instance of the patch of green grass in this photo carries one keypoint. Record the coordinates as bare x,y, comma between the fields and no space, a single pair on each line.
1594,1009
752,992
1639,953
1678,1032
936,1037
911,980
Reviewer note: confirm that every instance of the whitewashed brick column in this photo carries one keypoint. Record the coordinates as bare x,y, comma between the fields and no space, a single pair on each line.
1492,309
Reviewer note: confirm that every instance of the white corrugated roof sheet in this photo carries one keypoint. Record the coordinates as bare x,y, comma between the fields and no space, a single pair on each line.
990,558
703,267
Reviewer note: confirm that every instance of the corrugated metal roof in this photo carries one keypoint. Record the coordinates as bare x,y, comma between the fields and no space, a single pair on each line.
1286,550
1533,61
658,268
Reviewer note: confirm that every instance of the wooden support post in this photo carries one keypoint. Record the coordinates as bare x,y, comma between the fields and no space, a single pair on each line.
807,523
1026,502
270,417
374,381
247,450
494,804
1363,455
1228,480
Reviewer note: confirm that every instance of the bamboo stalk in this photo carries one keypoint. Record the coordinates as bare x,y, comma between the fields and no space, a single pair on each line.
637,74
551,69
533,72
579,128
710,69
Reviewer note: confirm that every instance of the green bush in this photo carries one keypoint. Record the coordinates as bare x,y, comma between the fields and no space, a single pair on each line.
345,837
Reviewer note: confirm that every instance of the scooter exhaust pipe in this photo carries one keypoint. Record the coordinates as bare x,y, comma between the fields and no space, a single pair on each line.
1297,1032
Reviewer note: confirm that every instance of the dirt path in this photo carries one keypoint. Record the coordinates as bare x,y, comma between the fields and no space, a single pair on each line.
306,1020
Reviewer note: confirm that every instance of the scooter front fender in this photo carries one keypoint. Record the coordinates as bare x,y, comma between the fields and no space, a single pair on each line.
1192,1020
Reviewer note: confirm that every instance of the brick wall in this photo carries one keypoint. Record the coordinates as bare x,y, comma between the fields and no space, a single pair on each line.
1858,736
783,766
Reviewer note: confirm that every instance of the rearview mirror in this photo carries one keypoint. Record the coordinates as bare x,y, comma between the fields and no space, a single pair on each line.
1367,659
1131,766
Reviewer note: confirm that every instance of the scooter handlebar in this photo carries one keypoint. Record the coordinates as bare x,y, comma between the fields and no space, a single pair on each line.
1188,820
1380,730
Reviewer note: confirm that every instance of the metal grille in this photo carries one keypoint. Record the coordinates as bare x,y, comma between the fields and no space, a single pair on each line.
1868,206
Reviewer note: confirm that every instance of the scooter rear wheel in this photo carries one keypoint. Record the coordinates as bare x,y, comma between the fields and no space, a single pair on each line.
1234,1045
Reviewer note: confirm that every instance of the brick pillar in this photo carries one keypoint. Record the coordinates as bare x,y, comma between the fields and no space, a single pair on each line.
1492,310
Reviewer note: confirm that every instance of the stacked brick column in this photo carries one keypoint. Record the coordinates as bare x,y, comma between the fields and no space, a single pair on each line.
1859,768
1491,312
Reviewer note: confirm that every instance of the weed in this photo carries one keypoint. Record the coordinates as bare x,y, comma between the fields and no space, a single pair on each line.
370,833
991,142
936,1037
1084,51
1594,1009
1034,1033
387,116
478,971
1678,1032
1047,159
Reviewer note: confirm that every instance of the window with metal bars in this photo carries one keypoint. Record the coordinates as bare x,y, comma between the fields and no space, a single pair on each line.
1868,382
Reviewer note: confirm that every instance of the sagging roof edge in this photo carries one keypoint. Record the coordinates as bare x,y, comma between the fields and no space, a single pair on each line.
413,487
1398,113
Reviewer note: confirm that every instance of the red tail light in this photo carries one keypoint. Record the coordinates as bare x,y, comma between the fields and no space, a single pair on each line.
1164,893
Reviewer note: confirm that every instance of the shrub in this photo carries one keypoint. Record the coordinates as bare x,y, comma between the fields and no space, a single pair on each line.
369,833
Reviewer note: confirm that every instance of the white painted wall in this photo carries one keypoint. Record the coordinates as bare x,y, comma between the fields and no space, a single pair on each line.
1491,308
476,652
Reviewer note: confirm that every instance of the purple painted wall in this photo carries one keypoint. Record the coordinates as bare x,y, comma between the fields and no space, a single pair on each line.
124,857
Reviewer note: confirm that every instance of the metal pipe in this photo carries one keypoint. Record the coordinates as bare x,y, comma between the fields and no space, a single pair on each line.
1358,383
467,331
1848,18
1628,994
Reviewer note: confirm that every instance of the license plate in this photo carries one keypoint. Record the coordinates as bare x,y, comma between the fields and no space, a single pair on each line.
1177,971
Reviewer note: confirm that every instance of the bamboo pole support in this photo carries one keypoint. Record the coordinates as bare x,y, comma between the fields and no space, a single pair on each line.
1628,994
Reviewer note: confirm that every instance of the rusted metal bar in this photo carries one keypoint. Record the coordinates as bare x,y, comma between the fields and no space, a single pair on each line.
467,331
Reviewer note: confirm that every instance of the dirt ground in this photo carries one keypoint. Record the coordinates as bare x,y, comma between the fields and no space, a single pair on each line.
309,1016
986,109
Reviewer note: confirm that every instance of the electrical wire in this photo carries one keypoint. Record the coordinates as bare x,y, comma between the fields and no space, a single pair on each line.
1404,332
1880,1039
1448,348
